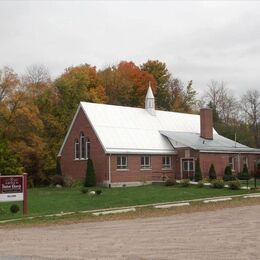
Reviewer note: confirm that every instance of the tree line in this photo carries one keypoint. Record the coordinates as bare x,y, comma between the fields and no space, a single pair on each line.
36,111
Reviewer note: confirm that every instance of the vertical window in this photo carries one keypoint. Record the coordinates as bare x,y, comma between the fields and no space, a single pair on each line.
87,148
166,162
145,162
76,149
188,165
122,162
82,146
231,162
245,161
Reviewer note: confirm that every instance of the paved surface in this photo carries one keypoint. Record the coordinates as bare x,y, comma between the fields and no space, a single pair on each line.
222,234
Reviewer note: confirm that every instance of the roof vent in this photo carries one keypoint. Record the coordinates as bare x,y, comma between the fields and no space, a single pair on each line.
149,101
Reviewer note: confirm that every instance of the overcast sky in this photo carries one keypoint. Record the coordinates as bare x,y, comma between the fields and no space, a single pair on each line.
199,41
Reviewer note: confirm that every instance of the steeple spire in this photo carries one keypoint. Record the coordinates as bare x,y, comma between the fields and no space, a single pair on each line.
149,101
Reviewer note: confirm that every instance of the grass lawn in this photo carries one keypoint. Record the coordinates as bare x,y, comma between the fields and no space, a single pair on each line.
54,200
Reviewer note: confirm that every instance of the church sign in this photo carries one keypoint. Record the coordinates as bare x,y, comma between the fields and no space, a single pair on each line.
14,188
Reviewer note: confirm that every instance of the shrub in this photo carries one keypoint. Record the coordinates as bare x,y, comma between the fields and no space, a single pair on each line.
170,182
98,192
84,190
212,173
198,175
90,179
68,181
185,183
200,184
244,175
14,208
190,177
228,174
58,180
234,185
217,184
58,168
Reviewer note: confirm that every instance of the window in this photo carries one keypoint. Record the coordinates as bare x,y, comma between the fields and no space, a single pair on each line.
87,148
188,165
145,162
76,149
245,161
166,162
82,146
122,162
231,162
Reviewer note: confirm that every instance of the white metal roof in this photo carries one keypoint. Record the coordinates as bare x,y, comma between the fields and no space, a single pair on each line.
131,130
217,144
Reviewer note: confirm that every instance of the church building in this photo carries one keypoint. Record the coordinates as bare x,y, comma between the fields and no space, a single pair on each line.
132,146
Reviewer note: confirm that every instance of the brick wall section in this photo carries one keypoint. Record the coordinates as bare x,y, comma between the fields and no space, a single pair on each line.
77,168
135,173
220,162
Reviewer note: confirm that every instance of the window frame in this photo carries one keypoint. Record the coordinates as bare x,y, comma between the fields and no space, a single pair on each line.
189,161
166,166
120,166
145,165
76,149
232,163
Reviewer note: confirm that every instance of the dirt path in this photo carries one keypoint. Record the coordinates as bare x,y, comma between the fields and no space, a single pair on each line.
221,234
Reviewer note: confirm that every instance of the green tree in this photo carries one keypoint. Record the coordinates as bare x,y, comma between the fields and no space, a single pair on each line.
90,179
212,173
228,174
9,164
161,74
198,175
244,175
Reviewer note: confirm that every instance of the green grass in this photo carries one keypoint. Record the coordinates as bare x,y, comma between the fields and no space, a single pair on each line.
54,200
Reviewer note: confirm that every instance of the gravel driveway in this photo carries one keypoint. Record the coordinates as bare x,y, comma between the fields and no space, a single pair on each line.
232,233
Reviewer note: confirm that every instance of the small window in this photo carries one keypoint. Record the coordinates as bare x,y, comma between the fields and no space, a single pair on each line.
82,146
76,149
145,162
245,161
122,162
166,162
231,162
87,148
188,165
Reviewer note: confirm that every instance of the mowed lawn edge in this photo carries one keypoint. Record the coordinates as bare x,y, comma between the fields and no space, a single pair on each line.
51,200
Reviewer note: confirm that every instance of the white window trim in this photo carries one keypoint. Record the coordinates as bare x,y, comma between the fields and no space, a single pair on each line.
170,165
181,164
76,142
148,166
122,169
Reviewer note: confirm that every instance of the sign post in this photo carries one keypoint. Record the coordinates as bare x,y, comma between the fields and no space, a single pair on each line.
14,188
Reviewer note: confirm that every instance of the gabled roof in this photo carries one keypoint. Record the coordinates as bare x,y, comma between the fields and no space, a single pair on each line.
217,144
128,130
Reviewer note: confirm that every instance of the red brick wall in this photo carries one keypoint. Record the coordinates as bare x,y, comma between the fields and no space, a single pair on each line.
220,162
77,168
135,173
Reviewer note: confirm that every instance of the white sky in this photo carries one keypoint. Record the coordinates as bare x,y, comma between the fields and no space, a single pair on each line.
199,41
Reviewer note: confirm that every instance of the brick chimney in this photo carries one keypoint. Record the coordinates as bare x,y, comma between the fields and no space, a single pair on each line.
206,123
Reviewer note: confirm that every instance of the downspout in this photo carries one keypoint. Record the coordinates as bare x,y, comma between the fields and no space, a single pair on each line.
109,171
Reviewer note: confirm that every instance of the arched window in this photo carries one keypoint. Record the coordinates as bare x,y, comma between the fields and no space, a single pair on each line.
82,146
76,149
87,148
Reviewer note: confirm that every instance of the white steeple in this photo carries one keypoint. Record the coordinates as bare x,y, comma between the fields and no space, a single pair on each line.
149,101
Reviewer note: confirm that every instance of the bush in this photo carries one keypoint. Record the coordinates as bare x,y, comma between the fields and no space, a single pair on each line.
212,173
90,179
98,192
84,190
190,177
68,181
58,180
14,208
200,184
58,168
198,175
170,182
234,185
185,183
217,184
228,174
244,175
